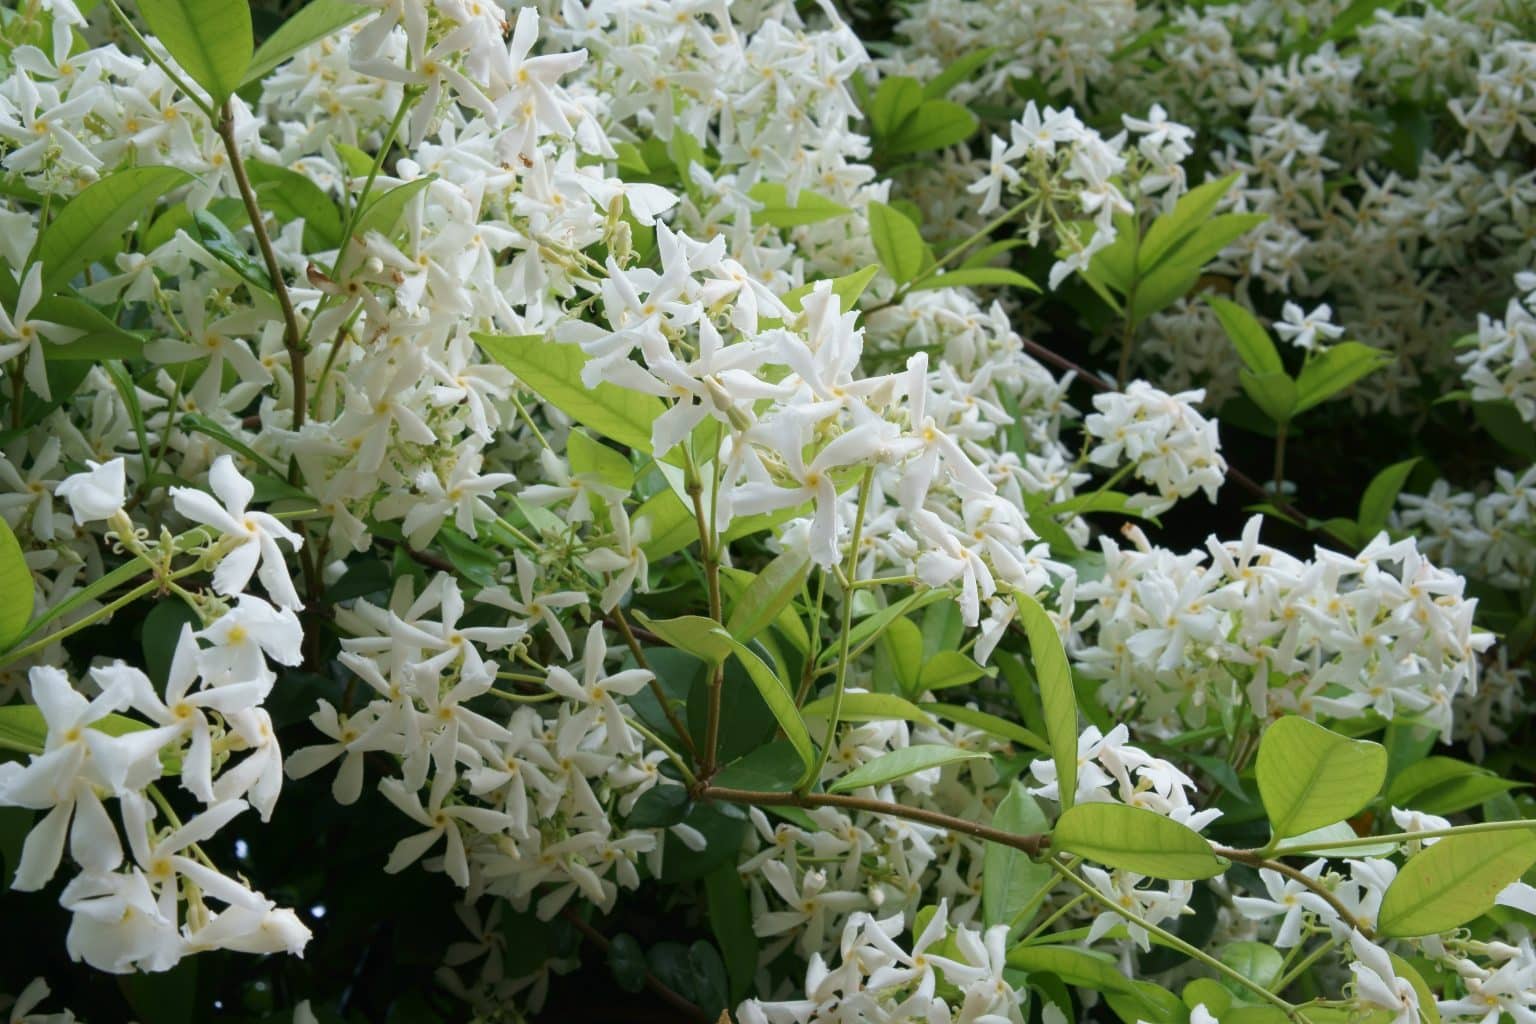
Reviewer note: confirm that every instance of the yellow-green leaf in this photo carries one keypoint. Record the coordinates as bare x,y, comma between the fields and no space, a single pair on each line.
1310,776
1057,696
553,370
90,225
901,763
1454,881
1135,839
16,593
210,39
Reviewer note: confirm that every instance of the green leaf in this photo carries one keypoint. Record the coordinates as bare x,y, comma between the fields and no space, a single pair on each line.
776,695
553,370
847,288
1174,228
1444,785
1310,776
730,919
316,21
768,594
673,527
946,669
210,39
777,211
1454,881
897,98
1254,345
899,764
958,72
90,224
1057,695
23,728
1080,968
1505,425
975,277
988,723
901,647
1013,885
869,707
384,211
699,635
1179,269
16,591
772,768
1135,839
291,196
626,959
1381,494
934,125
900,246
1259,962
593,458
1336,369
223,245
1273,393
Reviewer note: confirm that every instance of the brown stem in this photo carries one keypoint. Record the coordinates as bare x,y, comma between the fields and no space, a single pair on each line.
291,333
1030,844
619,619
655,984
711,561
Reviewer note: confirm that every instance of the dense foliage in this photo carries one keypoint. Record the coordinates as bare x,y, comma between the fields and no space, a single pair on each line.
643,510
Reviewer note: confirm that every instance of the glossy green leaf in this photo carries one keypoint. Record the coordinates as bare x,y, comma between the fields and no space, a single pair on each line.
1381,494
947,668
314,22
1310,776
1178,270
977,277
775,693
384,211
291,196
1172,229
1273,393
896,99
1454,881
768,594
553,370
90,225
699,635
226,247
934,125
210,39
592,458
730,919
1135,839
1081,968
869,707
1013,885
898,764
1254,345
16,591
900,246
847,288
1444,785
1329,374
1057,696
777,210
1259,962
988,723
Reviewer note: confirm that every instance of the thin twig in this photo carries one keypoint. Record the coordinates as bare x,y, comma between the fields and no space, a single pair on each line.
652,982
1031,844
291,333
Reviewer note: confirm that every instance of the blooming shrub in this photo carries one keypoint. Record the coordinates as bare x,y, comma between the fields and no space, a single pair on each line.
638,510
